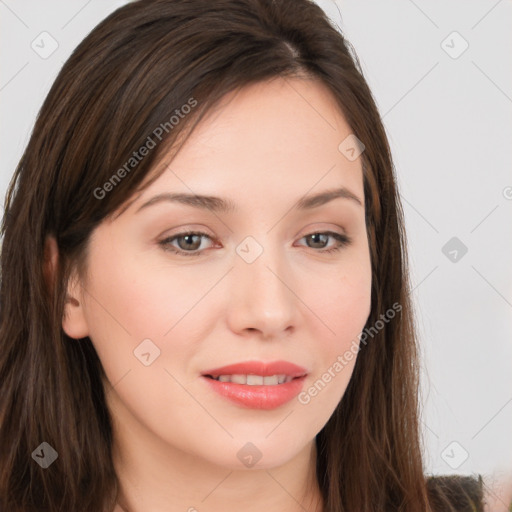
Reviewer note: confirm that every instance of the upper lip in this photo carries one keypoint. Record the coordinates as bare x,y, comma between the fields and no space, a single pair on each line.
262,368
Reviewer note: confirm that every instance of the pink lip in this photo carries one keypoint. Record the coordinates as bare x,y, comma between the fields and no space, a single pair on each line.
258,397
259,368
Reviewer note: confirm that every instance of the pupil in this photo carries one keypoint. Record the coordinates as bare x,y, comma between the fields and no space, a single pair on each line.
315,237
189,240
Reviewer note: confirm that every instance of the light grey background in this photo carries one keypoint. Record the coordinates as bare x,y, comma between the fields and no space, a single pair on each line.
448,118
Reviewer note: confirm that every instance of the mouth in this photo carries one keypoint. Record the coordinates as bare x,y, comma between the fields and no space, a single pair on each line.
251,372
254,380
257,385
256,395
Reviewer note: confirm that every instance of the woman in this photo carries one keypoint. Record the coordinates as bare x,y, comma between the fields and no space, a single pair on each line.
266,361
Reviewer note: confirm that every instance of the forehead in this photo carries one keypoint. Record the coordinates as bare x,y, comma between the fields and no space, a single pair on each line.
281,138
280,113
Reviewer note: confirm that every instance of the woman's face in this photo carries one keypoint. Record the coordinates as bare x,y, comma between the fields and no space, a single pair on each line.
256,285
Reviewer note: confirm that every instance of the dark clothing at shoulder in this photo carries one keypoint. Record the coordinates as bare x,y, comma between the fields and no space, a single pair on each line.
456,493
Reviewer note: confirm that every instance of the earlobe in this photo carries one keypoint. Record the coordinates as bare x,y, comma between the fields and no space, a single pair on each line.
73,322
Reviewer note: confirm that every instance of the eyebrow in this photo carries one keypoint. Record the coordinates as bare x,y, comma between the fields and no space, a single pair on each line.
218,204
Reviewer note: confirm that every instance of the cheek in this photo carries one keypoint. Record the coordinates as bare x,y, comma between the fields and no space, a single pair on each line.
342,299
350,307
138,297
131,301
343,305
131,306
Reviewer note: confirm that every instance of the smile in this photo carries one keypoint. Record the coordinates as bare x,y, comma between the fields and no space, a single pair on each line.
254,380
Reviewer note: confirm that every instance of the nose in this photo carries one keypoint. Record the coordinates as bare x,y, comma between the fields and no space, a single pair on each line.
262,297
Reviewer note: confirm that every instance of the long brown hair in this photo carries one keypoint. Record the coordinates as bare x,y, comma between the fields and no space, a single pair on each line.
135,71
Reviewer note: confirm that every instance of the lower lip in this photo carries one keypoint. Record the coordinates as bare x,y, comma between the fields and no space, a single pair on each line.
258,397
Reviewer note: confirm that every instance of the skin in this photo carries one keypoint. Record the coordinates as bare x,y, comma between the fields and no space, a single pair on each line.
175,440
498,491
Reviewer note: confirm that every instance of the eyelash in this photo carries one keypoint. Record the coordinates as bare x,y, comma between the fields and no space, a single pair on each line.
343,241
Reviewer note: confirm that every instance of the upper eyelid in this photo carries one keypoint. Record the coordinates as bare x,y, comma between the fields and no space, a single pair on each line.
309,230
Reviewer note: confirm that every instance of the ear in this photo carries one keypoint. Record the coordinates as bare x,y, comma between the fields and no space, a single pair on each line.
73,322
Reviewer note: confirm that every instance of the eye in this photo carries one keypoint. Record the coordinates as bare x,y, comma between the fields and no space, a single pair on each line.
192,242
342,240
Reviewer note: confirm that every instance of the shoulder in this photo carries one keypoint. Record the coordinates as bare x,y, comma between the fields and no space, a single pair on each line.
456,493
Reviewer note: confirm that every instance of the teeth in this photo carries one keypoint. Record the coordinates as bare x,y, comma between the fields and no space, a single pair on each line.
239,379
255,380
